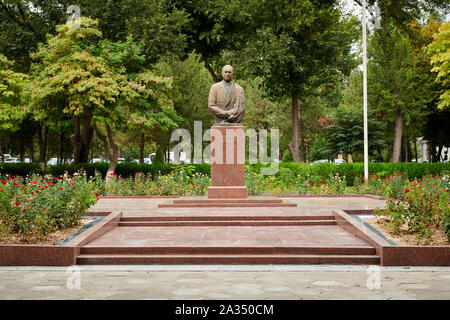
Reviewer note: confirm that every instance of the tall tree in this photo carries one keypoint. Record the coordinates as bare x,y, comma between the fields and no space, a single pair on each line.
101,83
440,59
289,47
12,103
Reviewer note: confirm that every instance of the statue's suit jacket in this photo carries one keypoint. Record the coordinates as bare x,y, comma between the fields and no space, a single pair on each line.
218,102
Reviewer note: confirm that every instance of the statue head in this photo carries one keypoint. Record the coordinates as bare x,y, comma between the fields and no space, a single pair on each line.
227,73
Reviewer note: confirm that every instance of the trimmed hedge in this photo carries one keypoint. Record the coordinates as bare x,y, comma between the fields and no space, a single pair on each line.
323,171
319,171
20,169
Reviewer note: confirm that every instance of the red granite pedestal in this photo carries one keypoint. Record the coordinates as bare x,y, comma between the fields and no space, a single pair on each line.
227,163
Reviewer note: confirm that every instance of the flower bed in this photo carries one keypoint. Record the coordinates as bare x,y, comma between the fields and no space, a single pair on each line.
423,206
35,207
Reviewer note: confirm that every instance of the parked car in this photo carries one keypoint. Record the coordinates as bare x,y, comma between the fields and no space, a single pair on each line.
322,161
52,161
98,160
339,161
12,160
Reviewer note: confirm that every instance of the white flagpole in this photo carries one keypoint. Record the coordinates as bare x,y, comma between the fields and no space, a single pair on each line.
366,136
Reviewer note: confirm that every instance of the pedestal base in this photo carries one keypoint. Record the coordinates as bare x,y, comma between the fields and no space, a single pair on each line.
227,163
223,192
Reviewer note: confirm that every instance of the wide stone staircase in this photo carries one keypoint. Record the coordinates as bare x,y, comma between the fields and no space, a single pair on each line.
211,238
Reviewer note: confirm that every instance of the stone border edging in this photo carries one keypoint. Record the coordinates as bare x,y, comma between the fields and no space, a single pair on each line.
56,255
395,255
333,196
139,197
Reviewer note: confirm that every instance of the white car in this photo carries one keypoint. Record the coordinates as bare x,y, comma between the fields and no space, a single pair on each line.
12,160
339,161
52,161
322,161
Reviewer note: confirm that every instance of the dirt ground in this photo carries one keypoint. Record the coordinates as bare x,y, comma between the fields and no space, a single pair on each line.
51,239
439,238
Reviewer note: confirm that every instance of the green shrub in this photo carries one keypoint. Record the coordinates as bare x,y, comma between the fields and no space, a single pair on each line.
158,159
287,156
36,206
20,169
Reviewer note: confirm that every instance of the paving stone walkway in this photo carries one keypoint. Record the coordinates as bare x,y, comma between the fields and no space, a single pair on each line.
224,282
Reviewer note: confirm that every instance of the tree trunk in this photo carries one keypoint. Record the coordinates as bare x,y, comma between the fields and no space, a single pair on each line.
31,146
111,149
438,154
42,139
82,138
405,149
302,134
211,71
87,135
141,148
76,139
1,147
293,146
21,152
415,148
60,153
398,132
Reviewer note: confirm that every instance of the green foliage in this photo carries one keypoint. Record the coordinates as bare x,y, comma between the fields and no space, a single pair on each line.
20,169
347,134
141,184
191,84
12,106
422,206
287,156
158,159
440,60
37,206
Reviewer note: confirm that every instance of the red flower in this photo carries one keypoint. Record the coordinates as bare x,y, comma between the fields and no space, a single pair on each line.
421,211
32,192
407,190
437,197
4,181
97,194
17,203
34,182
43,209
15,183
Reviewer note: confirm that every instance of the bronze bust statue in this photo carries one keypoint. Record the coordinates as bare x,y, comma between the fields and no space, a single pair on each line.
226,99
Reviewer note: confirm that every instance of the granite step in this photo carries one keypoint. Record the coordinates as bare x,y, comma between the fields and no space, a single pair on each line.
226,205
197,250
115,259
227,223
224,218
197,201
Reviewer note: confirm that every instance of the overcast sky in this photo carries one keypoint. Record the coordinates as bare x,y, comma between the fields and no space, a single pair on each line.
351,6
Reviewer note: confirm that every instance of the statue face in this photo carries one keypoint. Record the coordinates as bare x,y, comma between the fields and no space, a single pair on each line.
227,73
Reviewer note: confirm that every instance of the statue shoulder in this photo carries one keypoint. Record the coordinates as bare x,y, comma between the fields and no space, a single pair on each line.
238,87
